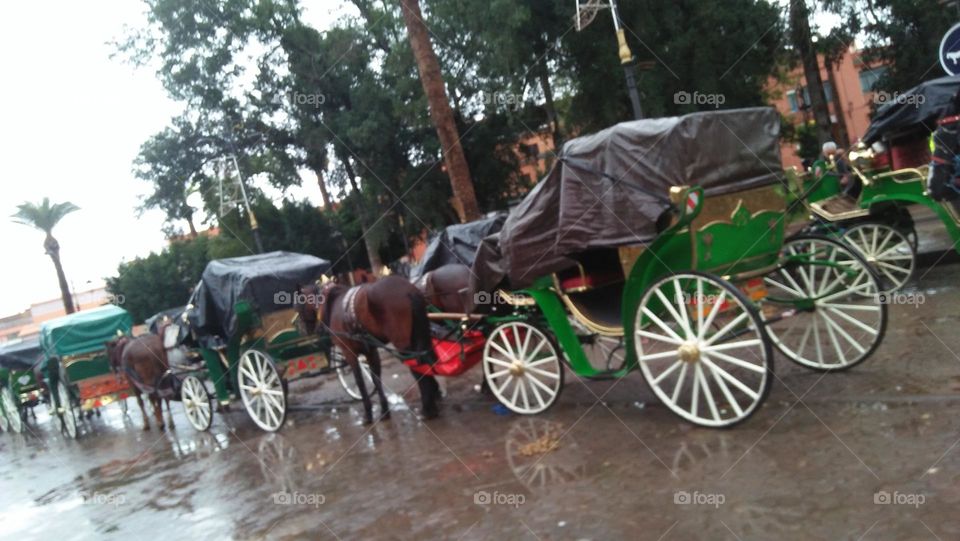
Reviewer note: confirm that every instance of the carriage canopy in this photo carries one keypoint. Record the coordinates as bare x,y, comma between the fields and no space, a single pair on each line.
22,355
84,332
457,244
919,107
609,189
267,281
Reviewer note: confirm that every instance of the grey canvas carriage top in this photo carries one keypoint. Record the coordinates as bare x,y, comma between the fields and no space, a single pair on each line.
608,189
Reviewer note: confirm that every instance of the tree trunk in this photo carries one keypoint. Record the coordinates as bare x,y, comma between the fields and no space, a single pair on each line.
548,104
843,136
193,227
52,247
432,80
373,254
324,193
800,30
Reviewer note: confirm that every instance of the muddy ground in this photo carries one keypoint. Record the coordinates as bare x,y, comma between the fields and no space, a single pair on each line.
873,453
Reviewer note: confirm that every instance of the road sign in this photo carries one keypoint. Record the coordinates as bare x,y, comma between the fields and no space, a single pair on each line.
950,50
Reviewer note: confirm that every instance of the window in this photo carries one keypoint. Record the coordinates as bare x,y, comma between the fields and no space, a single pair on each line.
795,105
792,100
530,151
869,78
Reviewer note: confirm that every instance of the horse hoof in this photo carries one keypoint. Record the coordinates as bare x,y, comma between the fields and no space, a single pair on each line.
430,414
146,428
367,420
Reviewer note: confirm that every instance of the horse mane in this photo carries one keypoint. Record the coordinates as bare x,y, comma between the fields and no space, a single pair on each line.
330,293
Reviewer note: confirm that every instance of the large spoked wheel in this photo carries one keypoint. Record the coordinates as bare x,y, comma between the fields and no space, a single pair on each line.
262,391
346,377
702,349
4,423
889,251
67,413
824,306
196,403
11,409
522,368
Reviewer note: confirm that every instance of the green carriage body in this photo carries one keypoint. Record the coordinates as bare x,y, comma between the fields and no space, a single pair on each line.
19,388
75,353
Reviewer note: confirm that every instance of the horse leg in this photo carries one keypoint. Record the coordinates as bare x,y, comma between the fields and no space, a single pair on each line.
143,410
351,358
429,392
158,411
170,412
373,359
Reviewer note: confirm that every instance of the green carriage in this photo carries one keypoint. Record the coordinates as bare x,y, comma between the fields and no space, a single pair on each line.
892,175
667,238
20,391
242,321
76,368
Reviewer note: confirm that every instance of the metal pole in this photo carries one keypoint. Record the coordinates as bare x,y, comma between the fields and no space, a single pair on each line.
246,203
626,60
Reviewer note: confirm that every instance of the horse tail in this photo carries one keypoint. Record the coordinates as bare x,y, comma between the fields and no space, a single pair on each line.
420,328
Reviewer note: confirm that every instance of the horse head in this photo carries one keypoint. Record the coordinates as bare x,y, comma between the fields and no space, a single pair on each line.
115,351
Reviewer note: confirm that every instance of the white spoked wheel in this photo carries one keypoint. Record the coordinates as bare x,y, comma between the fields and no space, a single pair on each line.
196,403
68,417
262,390
4,423
824,308
13,412
887,250
346,377
702,349
522,368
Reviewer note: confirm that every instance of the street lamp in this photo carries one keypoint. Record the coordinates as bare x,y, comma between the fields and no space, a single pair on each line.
586,12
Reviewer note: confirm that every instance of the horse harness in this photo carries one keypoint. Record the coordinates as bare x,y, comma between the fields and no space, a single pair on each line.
351,321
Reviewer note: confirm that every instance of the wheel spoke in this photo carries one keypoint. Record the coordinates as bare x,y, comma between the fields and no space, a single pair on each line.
852,320
714,310
707,394
734,381
671,369
738,362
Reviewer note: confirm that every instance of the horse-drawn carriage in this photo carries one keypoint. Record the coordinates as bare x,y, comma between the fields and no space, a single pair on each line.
20,391
76,368
666,236
243,322
888,173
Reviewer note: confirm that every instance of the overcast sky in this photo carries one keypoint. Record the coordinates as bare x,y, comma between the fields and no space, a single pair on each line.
72,122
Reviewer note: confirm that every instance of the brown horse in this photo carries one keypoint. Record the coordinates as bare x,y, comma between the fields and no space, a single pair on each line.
390,310
446,287
143,361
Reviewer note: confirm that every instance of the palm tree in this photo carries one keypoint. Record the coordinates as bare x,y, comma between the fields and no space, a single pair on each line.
45,216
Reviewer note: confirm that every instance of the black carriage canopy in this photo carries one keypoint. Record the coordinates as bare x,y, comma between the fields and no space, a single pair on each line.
267,281
919,107
457,244
609,189
23,355
173,314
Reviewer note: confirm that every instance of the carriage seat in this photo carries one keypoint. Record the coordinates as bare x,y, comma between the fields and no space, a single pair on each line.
594,269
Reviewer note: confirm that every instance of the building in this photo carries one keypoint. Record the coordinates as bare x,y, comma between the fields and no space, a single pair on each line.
26,324
848,86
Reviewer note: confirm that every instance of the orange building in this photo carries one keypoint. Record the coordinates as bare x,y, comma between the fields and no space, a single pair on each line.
848,86
26,324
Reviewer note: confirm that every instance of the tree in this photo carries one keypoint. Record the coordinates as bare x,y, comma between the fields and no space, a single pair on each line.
432,80
804,46
45,216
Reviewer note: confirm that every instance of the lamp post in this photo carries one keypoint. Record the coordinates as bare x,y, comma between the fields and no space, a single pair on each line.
626,60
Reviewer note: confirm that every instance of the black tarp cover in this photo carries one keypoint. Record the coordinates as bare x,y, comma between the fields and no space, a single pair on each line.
608,189
257,279
22,355
921,106
173,314
456,244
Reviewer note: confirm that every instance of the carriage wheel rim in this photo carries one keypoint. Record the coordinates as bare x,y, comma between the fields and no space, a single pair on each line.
714,396
848,317
196,403
4,424
67,417
347,380
261,390
522,368
12,419
888,250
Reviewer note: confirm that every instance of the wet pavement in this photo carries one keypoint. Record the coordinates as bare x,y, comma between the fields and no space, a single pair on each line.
873,453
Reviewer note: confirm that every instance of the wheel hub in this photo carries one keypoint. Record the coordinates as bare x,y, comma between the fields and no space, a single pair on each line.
516,369
689,352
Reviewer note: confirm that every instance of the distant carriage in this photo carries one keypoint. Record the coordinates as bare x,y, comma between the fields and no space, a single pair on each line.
20,390
76,368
